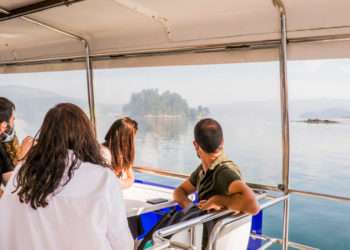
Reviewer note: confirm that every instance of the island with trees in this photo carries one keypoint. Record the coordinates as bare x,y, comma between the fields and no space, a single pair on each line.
319,121
152,103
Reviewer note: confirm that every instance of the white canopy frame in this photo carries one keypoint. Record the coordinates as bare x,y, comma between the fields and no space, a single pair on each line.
137,28
88,62
280,42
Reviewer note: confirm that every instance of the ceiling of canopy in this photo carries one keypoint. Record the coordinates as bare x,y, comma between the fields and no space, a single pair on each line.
126,26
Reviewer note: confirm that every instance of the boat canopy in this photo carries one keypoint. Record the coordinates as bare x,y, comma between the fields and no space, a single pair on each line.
117,29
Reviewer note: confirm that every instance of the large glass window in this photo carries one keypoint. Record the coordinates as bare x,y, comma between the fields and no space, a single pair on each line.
313,222
168,101
319,223
35,93
320,125
320,129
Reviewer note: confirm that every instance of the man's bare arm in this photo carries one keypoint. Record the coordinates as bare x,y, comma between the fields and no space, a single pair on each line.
182,192
242,199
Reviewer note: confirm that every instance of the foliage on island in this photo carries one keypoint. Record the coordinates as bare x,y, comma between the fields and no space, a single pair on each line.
150,102
317,121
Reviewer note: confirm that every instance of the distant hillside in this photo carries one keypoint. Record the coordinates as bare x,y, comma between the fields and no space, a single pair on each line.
32,104
319,108
331,113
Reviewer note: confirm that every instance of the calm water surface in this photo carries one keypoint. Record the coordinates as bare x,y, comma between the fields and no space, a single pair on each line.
320,162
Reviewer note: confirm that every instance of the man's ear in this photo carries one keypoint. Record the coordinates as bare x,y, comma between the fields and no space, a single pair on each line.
200,150
3,127
222,145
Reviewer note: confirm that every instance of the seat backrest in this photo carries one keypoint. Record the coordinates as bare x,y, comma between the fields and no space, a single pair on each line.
227,235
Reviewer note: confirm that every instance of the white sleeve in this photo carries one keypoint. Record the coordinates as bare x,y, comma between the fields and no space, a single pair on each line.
118,232
106,154
12,182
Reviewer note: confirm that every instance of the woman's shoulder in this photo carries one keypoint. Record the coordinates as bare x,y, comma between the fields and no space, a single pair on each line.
89,179
106,154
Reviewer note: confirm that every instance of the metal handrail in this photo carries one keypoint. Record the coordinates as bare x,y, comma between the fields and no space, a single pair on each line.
279,241
320,195
159,235
268,244
230,220
171,174
175,175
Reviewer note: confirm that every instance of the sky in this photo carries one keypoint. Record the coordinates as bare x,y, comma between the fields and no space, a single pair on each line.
200,84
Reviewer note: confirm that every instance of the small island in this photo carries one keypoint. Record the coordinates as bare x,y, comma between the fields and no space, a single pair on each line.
319,121
151,103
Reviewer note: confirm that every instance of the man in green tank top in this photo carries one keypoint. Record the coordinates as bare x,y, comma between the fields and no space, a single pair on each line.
217,179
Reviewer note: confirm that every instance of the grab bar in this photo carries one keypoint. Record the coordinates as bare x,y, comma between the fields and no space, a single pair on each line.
159,235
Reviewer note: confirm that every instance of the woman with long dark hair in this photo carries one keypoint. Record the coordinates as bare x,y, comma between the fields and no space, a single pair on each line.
64,196
119,149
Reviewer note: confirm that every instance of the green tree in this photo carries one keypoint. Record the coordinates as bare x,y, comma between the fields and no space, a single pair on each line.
151,102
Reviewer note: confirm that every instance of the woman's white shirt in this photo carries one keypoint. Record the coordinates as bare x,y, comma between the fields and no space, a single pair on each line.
88,213
107,155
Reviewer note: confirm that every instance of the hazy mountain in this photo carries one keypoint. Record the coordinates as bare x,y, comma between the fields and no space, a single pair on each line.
320,108
32,104
328,114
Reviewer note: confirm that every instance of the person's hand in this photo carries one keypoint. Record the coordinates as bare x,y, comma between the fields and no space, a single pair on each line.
211,204
26,145
3,126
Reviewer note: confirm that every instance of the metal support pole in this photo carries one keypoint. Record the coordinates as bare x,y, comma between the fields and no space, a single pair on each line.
285,241
90,85
285,128
284,104
285,118
88,63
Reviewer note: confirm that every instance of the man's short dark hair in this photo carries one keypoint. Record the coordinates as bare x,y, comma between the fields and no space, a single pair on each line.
208,134
6,109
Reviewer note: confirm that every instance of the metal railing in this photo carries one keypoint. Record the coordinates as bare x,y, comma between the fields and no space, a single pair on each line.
171,174
162,243
271,241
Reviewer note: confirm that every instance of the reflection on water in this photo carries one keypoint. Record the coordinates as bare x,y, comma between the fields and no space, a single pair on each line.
165,143
319,162
164,128
319,153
